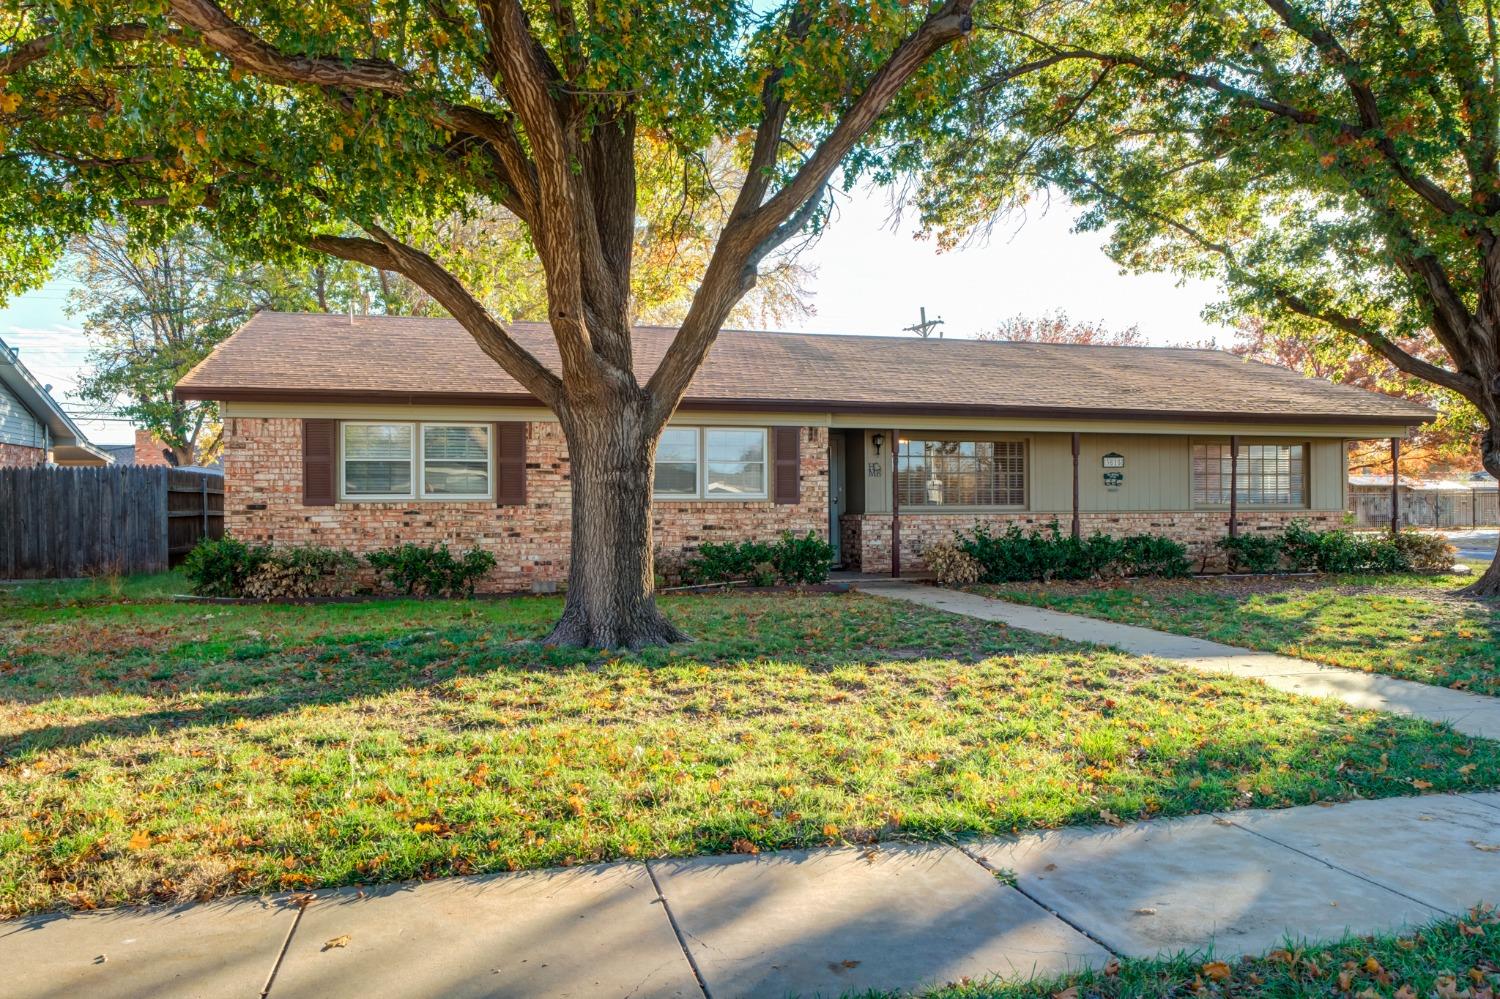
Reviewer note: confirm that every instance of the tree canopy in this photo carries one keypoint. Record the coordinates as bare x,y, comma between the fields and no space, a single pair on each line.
1333,164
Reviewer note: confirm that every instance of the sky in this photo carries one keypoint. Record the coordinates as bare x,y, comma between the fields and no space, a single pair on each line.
871,277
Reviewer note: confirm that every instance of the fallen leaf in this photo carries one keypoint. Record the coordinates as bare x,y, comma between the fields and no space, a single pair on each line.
1216,971
1071,992
340,941
1485,847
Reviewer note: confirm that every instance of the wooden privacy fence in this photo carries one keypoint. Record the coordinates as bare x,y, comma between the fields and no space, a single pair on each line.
61,522
1444,508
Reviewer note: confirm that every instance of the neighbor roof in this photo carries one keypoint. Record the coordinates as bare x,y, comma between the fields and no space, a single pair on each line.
307,357
67,441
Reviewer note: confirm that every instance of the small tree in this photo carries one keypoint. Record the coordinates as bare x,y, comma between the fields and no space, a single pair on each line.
1059,327
282,125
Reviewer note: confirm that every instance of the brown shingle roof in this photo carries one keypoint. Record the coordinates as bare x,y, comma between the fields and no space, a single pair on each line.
301,356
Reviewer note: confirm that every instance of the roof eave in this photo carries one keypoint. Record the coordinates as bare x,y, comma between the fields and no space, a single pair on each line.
517,399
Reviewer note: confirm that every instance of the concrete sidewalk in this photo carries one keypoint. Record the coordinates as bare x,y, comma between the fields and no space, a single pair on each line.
1472,714
824,922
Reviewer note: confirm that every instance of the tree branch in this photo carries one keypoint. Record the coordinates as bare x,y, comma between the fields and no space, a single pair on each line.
385,252
751,234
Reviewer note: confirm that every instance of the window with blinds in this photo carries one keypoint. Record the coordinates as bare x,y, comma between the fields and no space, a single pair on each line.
1268,474
931,473
393,461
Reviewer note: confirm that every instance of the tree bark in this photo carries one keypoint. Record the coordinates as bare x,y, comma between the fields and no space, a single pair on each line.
611,578
1488,584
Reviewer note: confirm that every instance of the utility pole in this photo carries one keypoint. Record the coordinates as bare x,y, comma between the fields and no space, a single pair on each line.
926,326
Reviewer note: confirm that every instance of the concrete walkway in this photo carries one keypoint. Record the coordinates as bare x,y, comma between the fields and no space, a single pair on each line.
1472,714
808,922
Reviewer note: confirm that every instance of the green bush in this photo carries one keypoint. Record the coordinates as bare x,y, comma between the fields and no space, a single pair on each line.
1153,555
431,571
1301,546
801,560
731,561
790,559
1253,552
308,571
1014,555
220,567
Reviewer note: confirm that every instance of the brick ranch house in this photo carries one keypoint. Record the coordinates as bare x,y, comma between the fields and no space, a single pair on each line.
367,432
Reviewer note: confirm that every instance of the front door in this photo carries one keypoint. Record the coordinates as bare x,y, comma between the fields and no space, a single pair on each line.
835,492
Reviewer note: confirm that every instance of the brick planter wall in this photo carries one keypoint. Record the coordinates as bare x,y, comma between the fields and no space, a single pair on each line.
263,504
868,536
21,456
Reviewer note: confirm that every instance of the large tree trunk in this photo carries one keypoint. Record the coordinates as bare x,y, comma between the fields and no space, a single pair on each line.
610,601
1488,584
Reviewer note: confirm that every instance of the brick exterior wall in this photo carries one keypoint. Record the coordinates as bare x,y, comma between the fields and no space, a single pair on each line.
148,450
867,537
21,456
263,504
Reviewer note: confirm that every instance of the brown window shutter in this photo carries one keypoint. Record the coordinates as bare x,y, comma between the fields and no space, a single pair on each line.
318,438
510,464
787,449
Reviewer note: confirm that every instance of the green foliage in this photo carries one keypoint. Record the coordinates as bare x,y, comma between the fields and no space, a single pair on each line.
1332,165
302,571
801,560
790,560
219,568
1153,555
1301,546
431,570
1252,552
1014,555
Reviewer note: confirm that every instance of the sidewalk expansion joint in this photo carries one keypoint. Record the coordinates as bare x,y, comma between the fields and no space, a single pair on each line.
666,907
1016,886
1227,819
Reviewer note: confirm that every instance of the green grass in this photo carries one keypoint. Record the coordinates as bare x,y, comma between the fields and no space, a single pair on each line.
164,751
1412,627
1449,959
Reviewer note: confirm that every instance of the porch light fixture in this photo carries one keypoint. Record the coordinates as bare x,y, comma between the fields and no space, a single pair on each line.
878,440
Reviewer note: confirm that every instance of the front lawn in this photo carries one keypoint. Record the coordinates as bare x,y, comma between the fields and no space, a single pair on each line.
1411,627
160,751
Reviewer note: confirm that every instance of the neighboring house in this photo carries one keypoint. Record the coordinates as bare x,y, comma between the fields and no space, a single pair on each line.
1465,502
366,432
34,430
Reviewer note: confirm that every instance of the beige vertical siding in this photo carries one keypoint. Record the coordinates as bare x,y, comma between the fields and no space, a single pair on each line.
1158,471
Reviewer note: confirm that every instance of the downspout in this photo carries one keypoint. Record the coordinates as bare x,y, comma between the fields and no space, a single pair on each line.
895,505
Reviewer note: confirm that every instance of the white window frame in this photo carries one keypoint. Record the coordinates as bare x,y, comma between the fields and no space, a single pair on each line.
697,492
416,446
418,489
701,493
489,461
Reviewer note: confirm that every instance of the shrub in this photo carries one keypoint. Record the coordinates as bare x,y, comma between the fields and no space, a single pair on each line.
1301,546
801,560
1253,552
790,559
219,568
951,565
1043,554
730,561
1426,552
431,571
1153,555
311,571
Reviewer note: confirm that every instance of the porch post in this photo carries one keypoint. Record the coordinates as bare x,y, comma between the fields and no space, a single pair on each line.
1395,486
1077,528
895,505
1234,485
